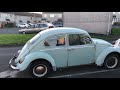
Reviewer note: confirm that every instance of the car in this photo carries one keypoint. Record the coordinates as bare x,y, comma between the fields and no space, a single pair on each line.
57,24
39,27
64,47
23,25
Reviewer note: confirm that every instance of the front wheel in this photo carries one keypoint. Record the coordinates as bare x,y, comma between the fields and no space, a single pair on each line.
111,61
40,69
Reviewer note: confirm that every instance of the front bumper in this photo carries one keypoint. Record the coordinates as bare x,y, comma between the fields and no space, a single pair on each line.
13,66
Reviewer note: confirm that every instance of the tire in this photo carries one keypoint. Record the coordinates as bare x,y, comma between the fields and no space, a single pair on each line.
111,61
37,65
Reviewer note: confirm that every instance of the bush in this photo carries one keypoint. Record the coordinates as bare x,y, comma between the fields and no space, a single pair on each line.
9,25
116,24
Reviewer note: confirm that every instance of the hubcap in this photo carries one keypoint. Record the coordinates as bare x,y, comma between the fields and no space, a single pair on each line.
39,70
112,62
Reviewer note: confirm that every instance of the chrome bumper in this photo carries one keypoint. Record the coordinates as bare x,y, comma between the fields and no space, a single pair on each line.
13,66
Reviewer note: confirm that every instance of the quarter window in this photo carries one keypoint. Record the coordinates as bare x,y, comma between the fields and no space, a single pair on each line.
55,41
78,39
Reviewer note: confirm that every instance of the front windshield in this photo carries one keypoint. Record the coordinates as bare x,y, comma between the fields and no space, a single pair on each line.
35,38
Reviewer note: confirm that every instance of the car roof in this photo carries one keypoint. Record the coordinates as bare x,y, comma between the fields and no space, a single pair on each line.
61,30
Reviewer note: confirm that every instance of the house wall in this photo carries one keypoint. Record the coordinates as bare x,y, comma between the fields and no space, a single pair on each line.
93,22
24,19
52,16
4,16
17,18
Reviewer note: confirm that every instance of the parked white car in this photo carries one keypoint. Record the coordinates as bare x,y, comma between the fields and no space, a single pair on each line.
23,25
38,28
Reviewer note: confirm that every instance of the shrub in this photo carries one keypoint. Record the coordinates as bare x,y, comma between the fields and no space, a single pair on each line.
116,24
9,25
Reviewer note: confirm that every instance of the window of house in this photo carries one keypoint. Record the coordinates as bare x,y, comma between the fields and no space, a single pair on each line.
10,15
52,15
55,41
45,15
20,21
78,39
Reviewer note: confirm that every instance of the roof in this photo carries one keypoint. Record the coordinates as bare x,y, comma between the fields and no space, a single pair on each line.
25,14
61,30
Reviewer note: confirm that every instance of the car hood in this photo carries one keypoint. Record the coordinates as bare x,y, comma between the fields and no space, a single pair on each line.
101,42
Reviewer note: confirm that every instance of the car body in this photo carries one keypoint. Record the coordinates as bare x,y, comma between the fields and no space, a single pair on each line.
39,27
64,47
23,25
57,24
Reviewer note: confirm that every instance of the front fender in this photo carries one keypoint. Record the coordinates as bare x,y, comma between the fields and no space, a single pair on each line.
101,57
36,55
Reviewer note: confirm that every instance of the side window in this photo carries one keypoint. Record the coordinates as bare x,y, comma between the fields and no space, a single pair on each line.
86,40
55,41
78,39
43,25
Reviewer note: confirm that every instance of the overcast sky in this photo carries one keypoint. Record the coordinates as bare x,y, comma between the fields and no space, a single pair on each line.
36,12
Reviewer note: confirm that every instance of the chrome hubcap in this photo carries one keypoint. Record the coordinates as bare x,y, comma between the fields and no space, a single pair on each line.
112,62
39,70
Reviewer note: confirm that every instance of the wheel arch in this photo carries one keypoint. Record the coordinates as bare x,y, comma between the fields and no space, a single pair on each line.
37,56
102,56
41,59
116,53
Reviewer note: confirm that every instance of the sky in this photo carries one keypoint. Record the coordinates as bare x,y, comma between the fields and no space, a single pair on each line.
36,12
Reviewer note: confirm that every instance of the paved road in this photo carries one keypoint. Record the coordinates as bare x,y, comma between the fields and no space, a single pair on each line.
9,30
89,71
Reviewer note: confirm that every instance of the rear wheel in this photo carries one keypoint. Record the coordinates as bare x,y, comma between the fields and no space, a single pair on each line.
111,61
40,69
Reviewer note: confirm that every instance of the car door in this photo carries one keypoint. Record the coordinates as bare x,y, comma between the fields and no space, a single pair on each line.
56,47
43,27
81,50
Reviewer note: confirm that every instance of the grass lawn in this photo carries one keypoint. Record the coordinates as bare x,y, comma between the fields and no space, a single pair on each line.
14,39
115,31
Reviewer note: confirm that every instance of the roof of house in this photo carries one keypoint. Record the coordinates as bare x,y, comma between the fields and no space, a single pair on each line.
25,14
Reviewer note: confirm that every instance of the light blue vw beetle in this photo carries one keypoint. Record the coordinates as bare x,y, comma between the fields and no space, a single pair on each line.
64,47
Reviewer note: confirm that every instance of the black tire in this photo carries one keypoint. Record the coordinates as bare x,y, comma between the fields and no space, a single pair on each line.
111,61
43,64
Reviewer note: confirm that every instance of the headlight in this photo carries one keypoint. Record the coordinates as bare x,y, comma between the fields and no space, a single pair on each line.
20,61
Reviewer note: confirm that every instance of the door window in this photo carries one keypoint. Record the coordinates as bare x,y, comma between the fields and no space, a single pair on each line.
55,41
78,39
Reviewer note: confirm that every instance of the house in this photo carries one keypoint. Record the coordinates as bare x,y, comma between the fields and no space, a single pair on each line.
19,17
25,17
6,18
93,22
51,16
